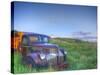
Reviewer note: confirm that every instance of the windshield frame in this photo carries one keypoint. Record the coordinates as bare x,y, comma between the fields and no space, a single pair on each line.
41,39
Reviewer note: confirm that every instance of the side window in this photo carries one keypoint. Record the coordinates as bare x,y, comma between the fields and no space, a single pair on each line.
25,41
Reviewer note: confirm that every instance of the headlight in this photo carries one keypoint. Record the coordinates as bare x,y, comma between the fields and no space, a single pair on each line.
42,56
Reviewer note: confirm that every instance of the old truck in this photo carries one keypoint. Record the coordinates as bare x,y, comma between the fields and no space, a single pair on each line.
37,51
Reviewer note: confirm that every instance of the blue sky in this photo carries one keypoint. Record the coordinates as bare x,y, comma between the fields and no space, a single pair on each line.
55,19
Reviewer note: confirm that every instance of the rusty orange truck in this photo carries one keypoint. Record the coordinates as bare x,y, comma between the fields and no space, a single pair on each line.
16,38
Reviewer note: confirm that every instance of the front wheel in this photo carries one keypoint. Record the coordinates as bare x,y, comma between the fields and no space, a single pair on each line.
28,61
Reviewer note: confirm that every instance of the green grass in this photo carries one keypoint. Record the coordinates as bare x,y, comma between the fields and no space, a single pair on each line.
81,55
20,68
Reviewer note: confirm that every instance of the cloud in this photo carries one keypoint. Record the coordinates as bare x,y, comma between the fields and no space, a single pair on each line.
87,36
82,33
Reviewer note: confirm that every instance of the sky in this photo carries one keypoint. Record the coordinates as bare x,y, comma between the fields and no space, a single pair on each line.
55,19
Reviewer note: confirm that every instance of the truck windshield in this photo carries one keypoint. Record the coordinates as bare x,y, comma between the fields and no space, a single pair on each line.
40,39
45,39
33,38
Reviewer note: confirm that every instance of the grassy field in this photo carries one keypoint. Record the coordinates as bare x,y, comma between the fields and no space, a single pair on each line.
81,55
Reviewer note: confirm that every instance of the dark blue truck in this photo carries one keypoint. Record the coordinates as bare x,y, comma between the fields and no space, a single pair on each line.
37,51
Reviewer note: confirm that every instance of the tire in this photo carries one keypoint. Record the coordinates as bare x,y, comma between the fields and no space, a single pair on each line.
28,61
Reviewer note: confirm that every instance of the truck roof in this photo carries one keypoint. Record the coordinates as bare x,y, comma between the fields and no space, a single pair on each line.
35,34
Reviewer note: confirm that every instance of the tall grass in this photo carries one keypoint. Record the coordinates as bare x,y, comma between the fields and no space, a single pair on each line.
20,68
81,55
